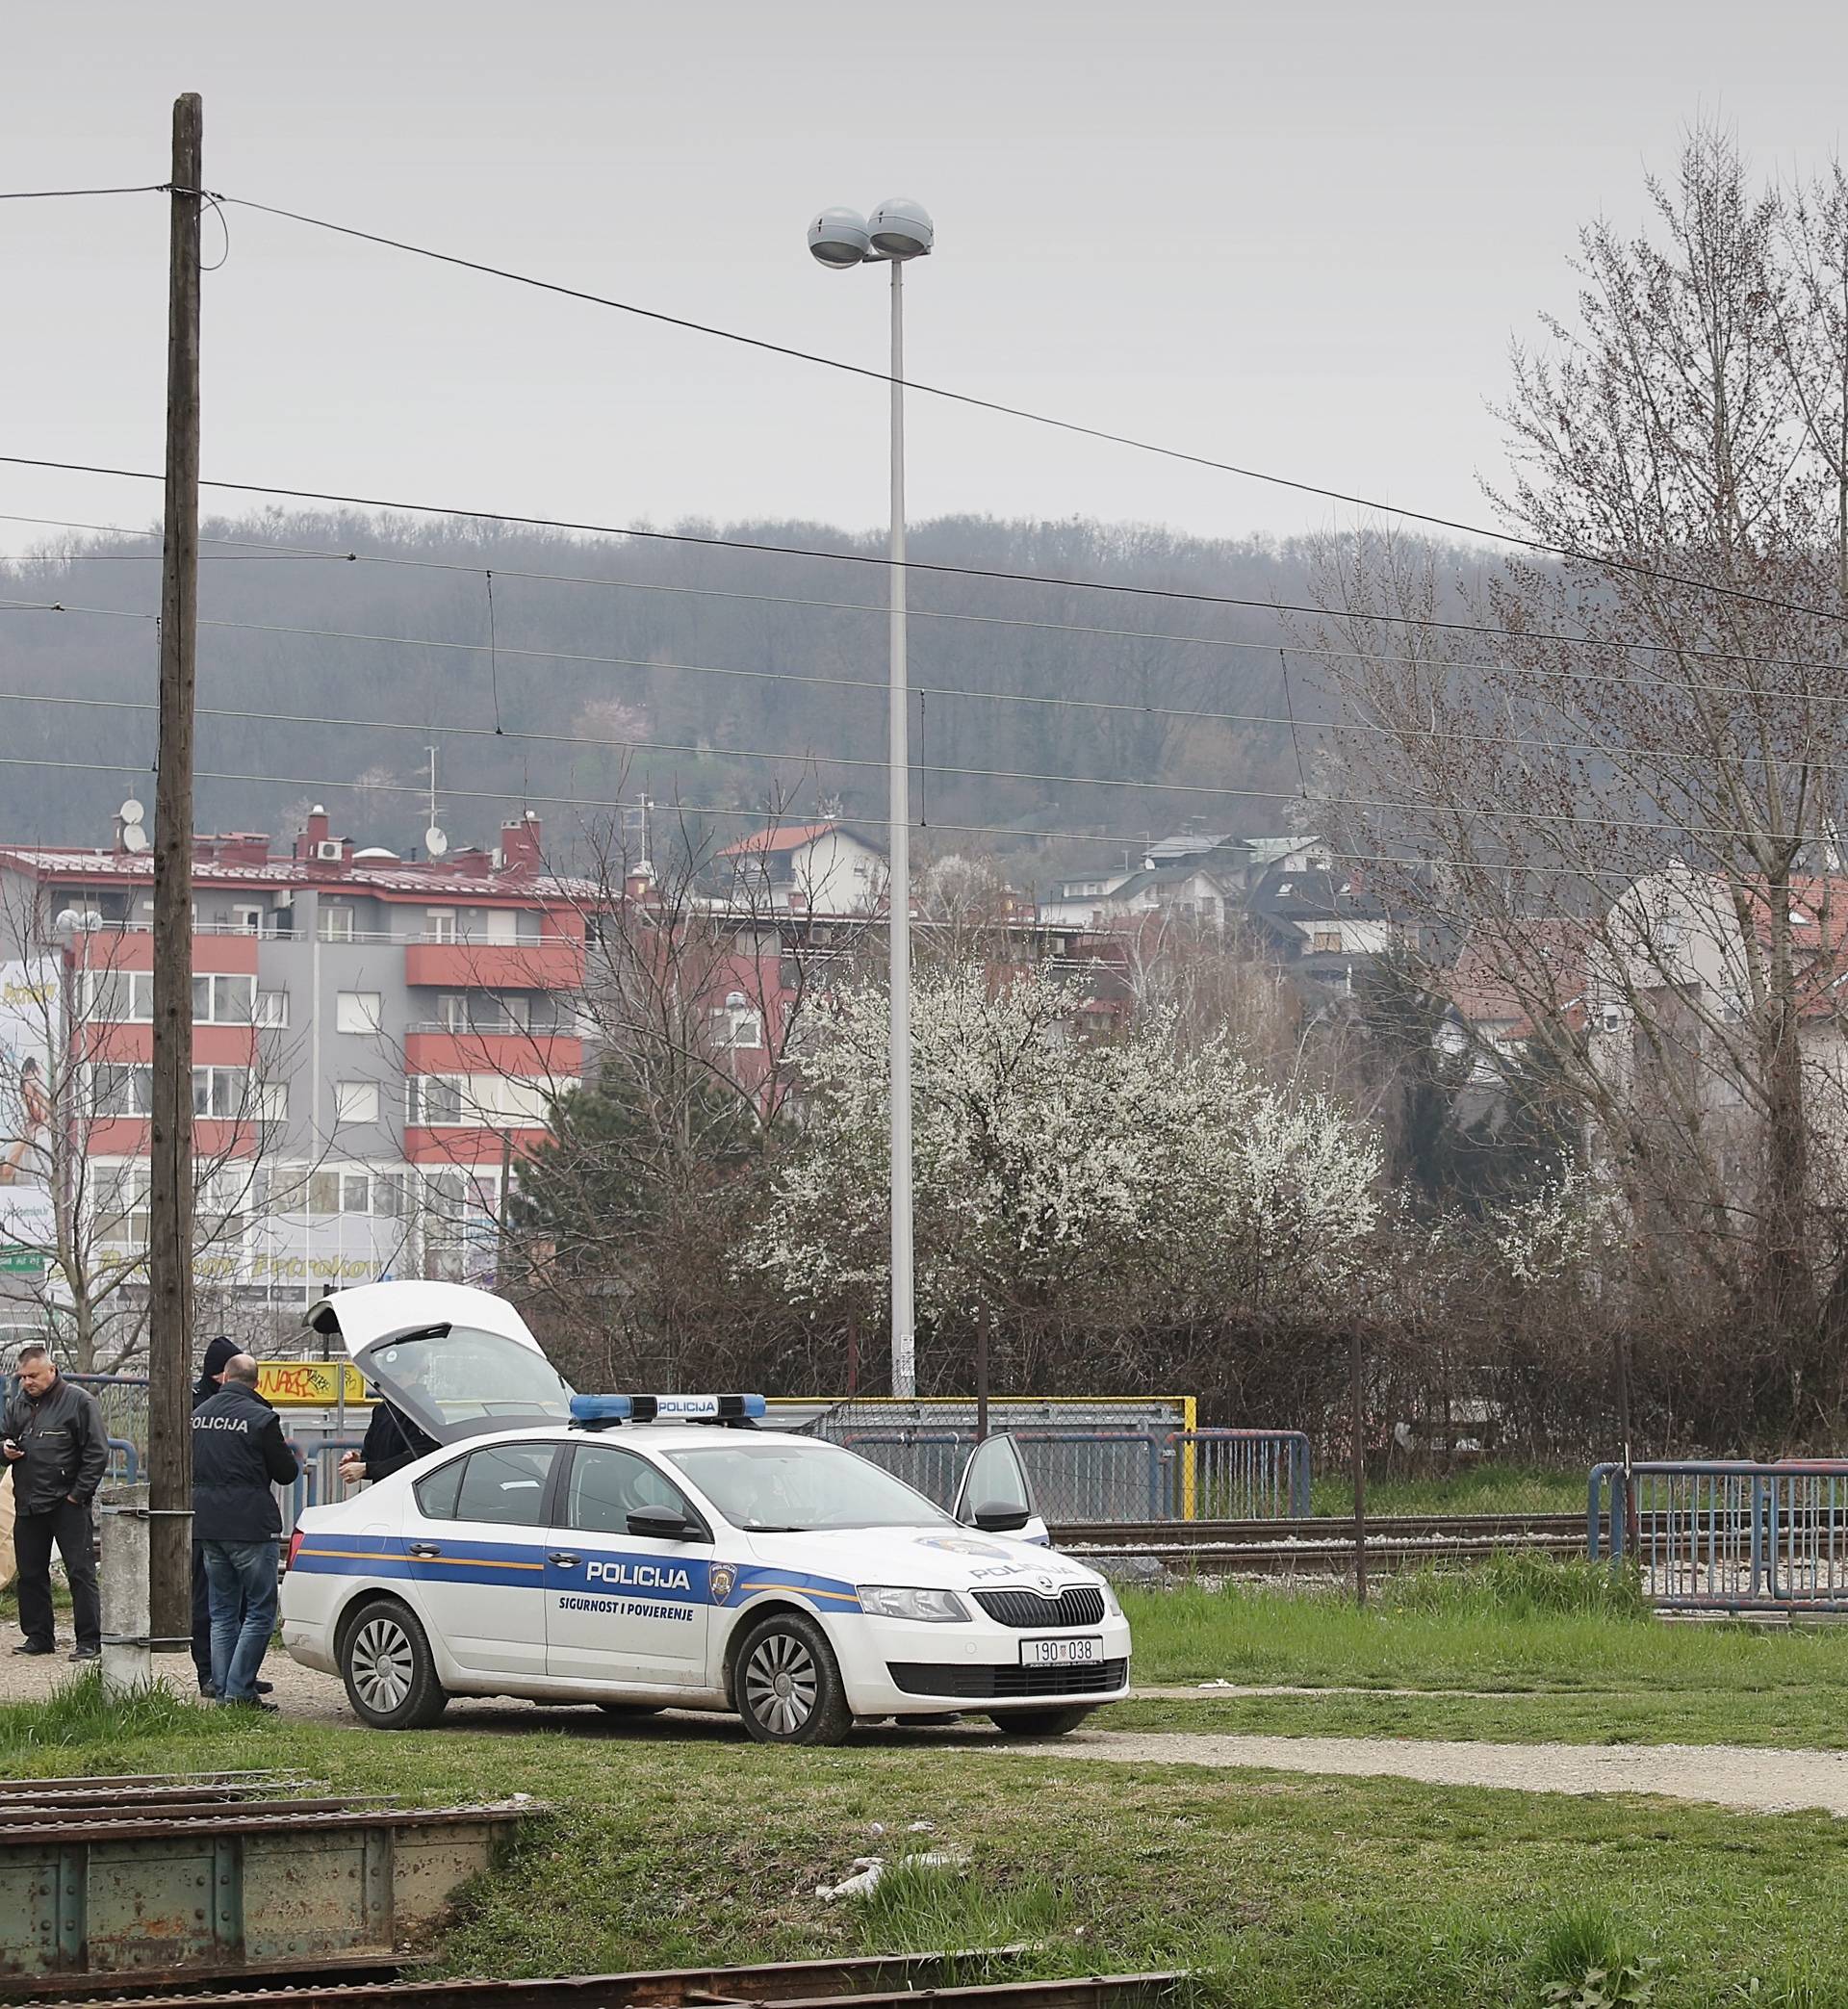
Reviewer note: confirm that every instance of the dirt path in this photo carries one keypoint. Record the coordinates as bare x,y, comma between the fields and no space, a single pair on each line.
1726,1775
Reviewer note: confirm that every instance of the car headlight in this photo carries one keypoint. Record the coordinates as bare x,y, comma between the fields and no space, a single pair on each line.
1111,1608
896,1601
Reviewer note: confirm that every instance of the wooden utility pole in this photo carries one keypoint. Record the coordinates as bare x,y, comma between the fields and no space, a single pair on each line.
170,1254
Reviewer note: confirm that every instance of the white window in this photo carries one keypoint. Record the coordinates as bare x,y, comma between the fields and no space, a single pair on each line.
336,922
735,1024
223,1001
358,1012
122,1205
272,1007
123,1091
453,1011
220,1092
121,996
495,1011
438,924
356,1101
248,920
270,1103
432,1100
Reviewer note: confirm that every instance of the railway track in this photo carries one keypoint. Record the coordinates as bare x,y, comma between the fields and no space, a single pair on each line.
973,1980
1323,1543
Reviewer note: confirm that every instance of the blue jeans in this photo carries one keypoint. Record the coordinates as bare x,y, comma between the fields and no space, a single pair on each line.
240,1581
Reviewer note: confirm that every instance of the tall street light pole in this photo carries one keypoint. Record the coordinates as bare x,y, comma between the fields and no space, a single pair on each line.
898,231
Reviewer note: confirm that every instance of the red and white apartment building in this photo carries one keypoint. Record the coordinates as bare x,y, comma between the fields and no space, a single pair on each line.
375,1040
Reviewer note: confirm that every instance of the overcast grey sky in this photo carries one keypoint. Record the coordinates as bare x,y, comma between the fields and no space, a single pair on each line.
1297,235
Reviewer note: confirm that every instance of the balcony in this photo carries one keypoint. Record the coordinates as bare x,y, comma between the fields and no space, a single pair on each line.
554,964
457,1144
543,1056
230,953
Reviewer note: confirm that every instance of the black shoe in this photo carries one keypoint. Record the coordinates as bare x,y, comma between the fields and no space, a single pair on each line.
207,1692
268,1708
263,1687
85,1653
35,1646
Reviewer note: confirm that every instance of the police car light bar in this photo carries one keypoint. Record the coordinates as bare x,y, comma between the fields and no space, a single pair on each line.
599,1411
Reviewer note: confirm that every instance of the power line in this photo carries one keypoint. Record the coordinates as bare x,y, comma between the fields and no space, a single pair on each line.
1546,819
1114,839
151,188
992,572
1577,554
1194,714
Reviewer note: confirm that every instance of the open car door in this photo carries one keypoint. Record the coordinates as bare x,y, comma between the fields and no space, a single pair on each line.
996,1495
456,1361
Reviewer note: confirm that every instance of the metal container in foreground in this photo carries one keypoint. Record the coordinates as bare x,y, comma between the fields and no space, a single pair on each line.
222,1889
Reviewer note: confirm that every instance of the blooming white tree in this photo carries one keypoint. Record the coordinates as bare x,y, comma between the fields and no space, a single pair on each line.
1051,1170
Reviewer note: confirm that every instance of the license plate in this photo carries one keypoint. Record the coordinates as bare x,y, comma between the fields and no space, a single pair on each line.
1061,1653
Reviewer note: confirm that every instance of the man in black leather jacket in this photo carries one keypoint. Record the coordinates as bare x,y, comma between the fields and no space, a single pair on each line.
56,1449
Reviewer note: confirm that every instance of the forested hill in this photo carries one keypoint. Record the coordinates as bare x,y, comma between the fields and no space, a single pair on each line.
621,672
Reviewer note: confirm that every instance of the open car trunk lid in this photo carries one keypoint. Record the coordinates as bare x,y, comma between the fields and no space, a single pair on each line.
456,1361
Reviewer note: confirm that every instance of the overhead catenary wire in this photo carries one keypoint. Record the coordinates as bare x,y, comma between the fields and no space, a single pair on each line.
1604,560
1608,562
1421,623
1116,838
1190,714
1546,819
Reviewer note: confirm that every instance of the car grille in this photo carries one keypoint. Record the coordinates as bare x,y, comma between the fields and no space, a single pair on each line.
972,1684
1082,1604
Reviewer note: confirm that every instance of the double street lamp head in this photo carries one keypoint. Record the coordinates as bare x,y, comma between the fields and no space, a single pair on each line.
898,229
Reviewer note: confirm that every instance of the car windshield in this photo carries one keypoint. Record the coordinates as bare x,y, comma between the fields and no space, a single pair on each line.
790,1485
454,1376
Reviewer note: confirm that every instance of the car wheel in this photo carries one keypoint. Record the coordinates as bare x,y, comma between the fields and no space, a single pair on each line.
631,1708
1037,1722
786,1684
386,1662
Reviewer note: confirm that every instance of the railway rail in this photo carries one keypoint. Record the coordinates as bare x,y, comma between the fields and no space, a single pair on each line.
1323,1542
879,1981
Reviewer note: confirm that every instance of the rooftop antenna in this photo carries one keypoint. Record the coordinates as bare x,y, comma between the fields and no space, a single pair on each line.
134,834
435,839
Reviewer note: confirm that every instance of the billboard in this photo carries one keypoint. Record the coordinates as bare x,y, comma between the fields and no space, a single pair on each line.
29,1008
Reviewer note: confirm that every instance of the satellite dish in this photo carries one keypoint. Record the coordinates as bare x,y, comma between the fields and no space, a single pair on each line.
134,838
132,812
436,841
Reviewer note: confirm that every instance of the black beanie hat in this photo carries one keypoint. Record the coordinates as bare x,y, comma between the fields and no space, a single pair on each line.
217,1353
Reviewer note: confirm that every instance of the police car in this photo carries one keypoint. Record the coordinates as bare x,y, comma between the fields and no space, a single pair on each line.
644,1553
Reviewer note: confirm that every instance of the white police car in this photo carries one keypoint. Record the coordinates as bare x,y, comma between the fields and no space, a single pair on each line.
604,1549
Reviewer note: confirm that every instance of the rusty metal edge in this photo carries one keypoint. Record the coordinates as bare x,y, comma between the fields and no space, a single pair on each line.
213,1813
676,1985
228,1822
100,1782
164,1984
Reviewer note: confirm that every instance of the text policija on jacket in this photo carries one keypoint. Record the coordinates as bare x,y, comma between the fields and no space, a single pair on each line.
238,1456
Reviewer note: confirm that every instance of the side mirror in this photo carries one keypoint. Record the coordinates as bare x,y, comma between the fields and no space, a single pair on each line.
664,1523
997,1519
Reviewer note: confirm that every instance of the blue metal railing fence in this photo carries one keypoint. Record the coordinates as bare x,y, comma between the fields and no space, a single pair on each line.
1726,1534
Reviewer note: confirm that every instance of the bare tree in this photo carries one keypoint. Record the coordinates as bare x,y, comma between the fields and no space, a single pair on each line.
73,1138
1650,744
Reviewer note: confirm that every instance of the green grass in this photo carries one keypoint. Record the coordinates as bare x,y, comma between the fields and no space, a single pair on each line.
1549,1651
1471,1489
687,1844
1518,1624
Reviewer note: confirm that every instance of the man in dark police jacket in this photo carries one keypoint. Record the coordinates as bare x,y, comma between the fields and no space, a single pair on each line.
237,1457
